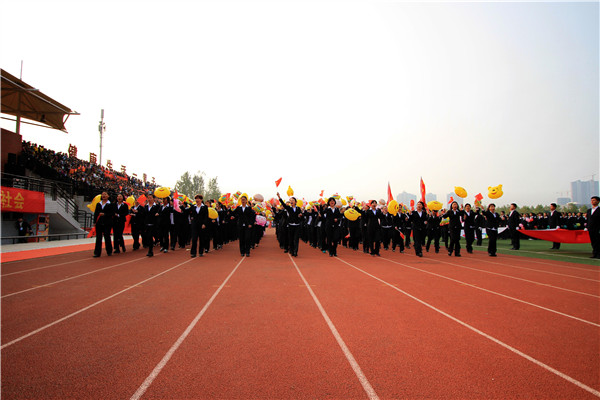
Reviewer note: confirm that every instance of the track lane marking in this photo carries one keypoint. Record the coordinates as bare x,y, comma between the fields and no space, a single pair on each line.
48,266
493,339
72,277
514,277
357,370
496,293
159,367
87,307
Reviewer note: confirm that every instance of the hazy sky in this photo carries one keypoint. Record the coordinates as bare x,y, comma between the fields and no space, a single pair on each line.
341,96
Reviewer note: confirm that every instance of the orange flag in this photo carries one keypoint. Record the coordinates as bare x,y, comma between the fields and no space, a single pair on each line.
278,181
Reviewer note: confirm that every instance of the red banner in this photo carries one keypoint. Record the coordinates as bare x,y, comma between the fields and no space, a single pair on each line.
24,201
559,235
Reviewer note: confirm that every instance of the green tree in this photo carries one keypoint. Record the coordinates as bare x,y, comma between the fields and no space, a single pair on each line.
213,192
191,185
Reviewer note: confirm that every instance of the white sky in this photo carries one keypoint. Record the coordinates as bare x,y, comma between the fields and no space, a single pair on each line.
340,96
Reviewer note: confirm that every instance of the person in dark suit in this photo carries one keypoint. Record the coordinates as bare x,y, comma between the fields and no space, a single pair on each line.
330,218
492,220
398,237
245,218
121,212
469,227
23,229
433,230
198,214
103,215
553,223
418,221
387,227
137,224
373,221
454,227
151,213
514,219
164,224
294,220
593,226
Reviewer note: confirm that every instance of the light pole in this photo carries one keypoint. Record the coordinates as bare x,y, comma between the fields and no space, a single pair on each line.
101,129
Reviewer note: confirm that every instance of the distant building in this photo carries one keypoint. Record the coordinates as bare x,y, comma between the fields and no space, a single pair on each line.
563,201
582,191
430,197
456,198
405,198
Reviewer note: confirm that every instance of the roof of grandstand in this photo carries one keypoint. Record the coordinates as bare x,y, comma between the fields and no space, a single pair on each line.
23,100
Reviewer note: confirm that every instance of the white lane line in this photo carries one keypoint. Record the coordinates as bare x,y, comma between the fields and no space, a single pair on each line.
496,293
357,370
516,278
48,266
88,307
72,277
159,367
493,339
537,270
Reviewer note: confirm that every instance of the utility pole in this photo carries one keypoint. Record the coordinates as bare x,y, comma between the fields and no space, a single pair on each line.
101,129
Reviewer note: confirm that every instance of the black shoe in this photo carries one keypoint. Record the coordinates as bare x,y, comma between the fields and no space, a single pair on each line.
330,255
117,252
109,254
402,251
437,251
470,251
124,250
450,254
201,255
247,254
457,255
193,256
492,255
150,255
420,255
96,256
285,251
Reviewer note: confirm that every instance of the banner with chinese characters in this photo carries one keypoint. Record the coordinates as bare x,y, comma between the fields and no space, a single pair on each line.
24,201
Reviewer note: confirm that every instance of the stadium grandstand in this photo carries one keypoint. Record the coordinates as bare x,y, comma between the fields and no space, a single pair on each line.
44,190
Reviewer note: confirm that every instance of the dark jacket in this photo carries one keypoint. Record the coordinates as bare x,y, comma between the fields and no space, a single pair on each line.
106,220
244,218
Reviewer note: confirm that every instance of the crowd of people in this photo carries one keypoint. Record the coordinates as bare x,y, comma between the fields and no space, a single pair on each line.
161,222
87,178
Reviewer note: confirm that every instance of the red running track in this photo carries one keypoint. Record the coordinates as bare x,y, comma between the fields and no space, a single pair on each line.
222,326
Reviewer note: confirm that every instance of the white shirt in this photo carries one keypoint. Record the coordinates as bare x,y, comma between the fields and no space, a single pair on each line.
594,209
102,205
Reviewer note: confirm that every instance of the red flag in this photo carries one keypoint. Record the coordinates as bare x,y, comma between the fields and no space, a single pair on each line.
451,200
390,197
321,195
278,181
142,200
423,191
92,232
412,205
478,197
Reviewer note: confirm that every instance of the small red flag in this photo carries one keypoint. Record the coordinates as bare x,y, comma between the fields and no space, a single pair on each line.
278,181
390,197
412,205
423,191
321,195
142,200
451,200
478,197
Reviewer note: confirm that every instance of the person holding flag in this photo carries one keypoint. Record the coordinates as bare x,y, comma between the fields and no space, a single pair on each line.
418,220
294,220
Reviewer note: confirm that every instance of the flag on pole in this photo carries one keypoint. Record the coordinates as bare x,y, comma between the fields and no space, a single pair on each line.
278,181
423,191
390,197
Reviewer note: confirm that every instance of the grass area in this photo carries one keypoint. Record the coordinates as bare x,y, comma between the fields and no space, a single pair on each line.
569,252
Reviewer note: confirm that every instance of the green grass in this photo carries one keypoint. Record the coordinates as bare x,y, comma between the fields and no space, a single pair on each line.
569,252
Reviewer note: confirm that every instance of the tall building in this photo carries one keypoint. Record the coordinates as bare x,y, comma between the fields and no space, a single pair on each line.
456,198
405,198
563,201
582,191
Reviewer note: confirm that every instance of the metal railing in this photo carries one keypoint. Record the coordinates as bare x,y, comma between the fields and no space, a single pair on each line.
53,237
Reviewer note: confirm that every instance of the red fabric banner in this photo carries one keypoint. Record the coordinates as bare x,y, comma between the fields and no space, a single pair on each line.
390,197
423,192
21,200
558,235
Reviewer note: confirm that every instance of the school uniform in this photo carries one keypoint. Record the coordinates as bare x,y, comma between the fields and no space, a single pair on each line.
454,228
553,223
397,239
373,223
491,228
387,229
294,220
137,224
331,218
199,221
245,219
151,214
433,232
514,219
418,221
469,227
593,227
103,227
119,219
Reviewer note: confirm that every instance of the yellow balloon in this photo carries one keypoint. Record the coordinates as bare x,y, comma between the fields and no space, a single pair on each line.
162,192
290,191
299,203
460,191
495,192
435,205
96,200
393,207
130,201
344,202
212,213
351,214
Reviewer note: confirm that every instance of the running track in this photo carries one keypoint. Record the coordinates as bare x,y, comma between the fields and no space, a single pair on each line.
272,326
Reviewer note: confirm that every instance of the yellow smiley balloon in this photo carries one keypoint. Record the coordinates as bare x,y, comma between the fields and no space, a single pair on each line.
495,192
460,192
393,207
435,205
351,214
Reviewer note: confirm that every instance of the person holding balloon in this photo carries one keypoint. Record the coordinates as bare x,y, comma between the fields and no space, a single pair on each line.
294,220
491,227
330,218
454,226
